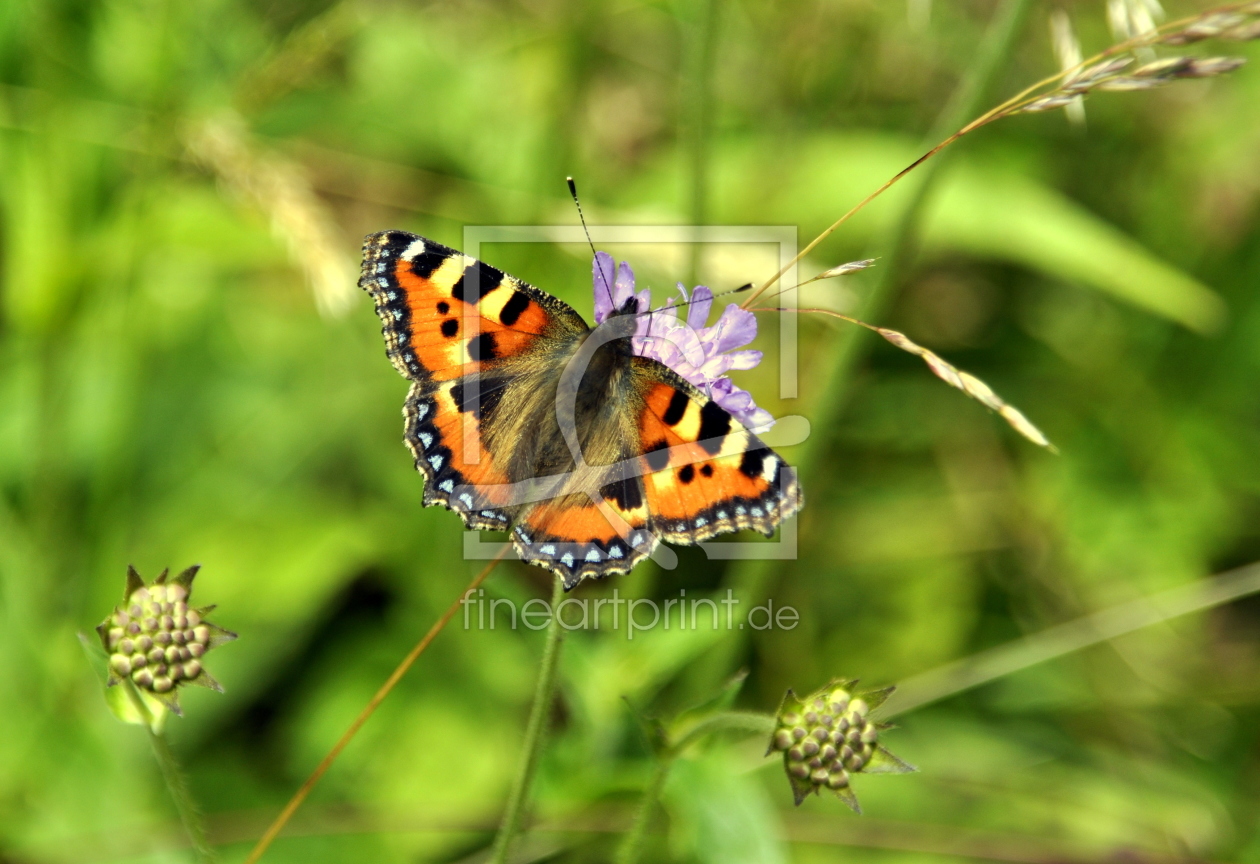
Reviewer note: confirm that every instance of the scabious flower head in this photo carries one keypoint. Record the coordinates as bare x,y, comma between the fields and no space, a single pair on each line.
699,353
156,640
828,737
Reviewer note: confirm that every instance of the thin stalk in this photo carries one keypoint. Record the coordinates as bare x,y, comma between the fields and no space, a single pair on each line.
298,797
703,43
996,47
726,721
1010,106
752,577
1072,636
176,784
544,694
631,849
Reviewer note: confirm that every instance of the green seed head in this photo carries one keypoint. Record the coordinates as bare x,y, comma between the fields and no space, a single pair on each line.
827,737
837,780
154,639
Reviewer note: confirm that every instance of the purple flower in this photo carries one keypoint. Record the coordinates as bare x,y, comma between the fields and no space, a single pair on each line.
701,354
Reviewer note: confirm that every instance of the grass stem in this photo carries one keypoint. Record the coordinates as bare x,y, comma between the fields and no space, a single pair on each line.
295,802
753,577
1071,636
544,694
702,44
898,248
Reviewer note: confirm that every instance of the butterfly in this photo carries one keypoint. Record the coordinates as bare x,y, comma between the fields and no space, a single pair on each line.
522,418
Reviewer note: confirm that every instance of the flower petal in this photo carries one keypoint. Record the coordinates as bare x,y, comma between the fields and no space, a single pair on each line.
701,303
623,289
602,276
701,355
745,359
736,327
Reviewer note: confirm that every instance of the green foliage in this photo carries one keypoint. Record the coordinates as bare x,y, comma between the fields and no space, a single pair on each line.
169,393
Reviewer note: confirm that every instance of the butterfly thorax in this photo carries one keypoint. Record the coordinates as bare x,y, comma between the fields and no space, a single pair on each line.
526,431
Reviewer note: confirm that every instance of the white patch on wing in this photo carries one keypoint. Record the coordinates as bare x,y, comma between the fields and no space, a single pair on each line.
768,468
416,248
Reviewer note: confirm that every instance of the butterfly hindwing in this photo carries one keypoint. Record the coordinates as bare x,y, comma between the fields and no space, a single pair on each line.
586,536
704,473
439,423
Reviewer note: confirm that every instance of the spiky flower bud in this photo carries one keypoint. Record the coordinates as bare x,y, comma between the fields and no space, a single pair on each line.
828,737
155,639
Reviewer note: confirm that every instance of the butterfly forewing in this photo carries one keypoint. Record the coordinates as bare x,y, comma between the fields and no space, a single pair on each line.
445,315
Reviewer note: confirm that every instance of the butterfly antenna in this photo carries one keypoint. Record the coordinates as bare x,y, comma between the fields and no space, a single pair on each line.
591,243
683,303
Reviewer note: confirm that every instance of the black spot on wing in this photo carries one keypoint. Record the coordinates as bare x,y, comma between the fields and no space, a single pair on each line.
426,262
483,347
687,473
677,408
450,327
476,281
751,464
513,308
658,456
714,424
706,469
480,397
625,493
443,307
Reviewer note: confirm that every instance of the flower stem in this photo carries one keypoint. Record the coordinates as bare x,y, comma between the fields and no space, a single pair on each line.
544,693
631,849
176,784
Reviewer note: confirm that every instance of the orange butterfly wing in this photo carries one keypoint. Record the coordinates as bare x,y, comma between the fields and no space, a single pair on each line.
593,535
704,474
696,473
449,323
446,315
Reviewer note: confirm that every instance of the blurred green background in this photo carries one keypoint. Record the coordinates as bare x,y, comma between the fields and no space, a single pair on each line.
187,374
